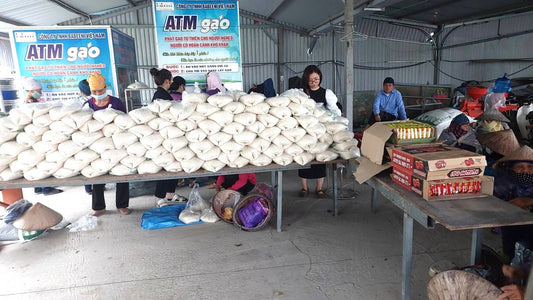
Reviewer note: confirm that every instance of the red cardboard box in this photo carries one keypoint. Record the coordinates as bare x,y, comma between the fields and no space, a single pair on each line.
457,188
436,161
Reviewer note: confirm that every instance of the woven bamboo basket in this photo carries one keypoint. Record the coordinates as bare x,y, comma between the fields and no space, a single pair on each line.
461,285
245,201
223,203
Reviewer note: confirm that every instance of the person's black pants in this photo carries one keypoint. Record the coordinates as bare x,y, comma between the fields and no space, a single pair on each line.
122,196
513,234
385,117
230,180
165,186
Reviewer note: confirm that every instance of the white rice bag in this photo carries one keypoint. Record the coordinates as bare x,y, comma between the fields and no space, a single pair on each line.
279,101
307,120
49,166
43,147
326,138
282,141
231,147
295,95
307,142
261,160
158,106
214,165
142,115
175,144
235,94
196,135
92,126
186,125
209,155
206,109
18,117
124,121
201,147
30,157
346,145
188,216
228,158
245,138
153,153
183,154
36,174
260,144
192,165
75,165
270,134
33,130
167,115
164,160
136,149
174,166
63,173
20,166
194,98
287,123
283,159
280,112
319,112
152,141
223,118
239,162
294,134
245,119
258,109
316,130
5,160
219,138
102,144
273,151
294,150
233,128
343,136
131,161
159,123
62,111
303,158
181,111
342,120
86,155
171,132
107,115
196,117
234,107
209,215
256,127
298,109
7,175
252,99
220,100
318,148
86,139
102,165
328,117
91,172
12,148
26,139
114,156
352,153
326,156
122,170
268,120
209,126
141,130
41,121
250,153
334,127
68,148
81,117
110,129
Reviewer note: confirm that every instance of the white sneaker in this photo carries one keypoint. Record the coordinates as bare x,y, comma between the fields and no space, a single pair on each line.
161,202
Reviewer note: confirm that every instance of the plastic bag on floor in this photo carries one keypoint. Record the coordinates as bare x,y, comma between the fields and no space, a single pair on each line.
15,210
85,223
209,215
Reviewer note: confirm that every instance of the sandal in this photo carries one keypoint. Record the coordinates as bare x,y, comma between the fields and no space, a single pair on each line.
321,194
303,193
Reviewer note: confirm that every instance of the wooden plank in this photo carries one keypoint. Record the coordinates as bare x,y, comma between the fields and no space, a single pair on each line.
482,212
82,180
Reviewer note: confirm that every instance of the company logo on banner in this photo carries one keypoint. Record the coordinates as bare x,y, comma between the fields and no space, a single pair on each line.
195,37
60,58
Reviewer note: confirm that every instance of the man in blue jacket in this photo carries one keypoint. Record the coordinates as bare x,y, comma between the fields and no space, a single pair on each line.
388,105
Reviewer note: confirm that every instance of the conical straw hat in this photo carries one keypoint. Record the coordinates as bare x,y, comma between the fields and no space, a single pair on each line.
493,115
38,217
503,142
461,285
523,153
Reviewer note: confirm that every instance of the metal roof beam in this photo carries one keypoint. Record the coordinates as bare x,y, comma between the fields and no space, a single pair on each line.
264,19
276,10
71,8
488,19
13,22
427,8
516,8
399,22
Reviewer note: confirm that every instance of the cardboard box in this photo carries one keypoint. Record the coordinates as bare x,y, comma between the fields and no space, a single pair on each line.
423,187
436,161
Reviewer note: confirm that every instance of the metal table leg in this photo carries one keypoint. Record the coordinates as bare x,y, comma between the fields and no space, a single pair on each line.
475,251
407,256
335,192
280,200
372,208
273,178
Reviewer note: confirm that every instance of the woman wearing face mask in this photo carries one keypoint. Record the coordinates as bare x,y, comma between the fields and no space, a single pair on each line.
516,187
461,135
101,100
164,189
177,87
33,89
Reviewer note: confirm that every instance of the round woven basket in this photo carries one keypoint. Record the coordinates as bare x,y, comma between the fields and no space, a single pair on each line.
224,200
461,285
245,201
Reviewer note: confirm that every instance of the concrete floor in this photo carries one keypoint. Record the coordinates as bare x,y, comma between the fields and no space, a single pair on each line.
356,255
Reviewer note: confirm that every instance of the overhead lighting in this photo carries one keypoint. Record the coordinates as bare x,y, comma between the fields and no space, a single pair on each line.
374,9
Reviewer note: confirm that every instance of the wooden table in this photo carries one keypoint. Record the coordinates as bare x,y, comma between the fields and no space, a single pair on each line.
275,169
463,214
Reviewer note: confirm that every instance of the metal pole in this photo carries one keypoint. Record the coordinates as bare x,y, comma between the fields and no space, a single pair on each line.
335,189
475,251
348,66
407,256
280,199
281,86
